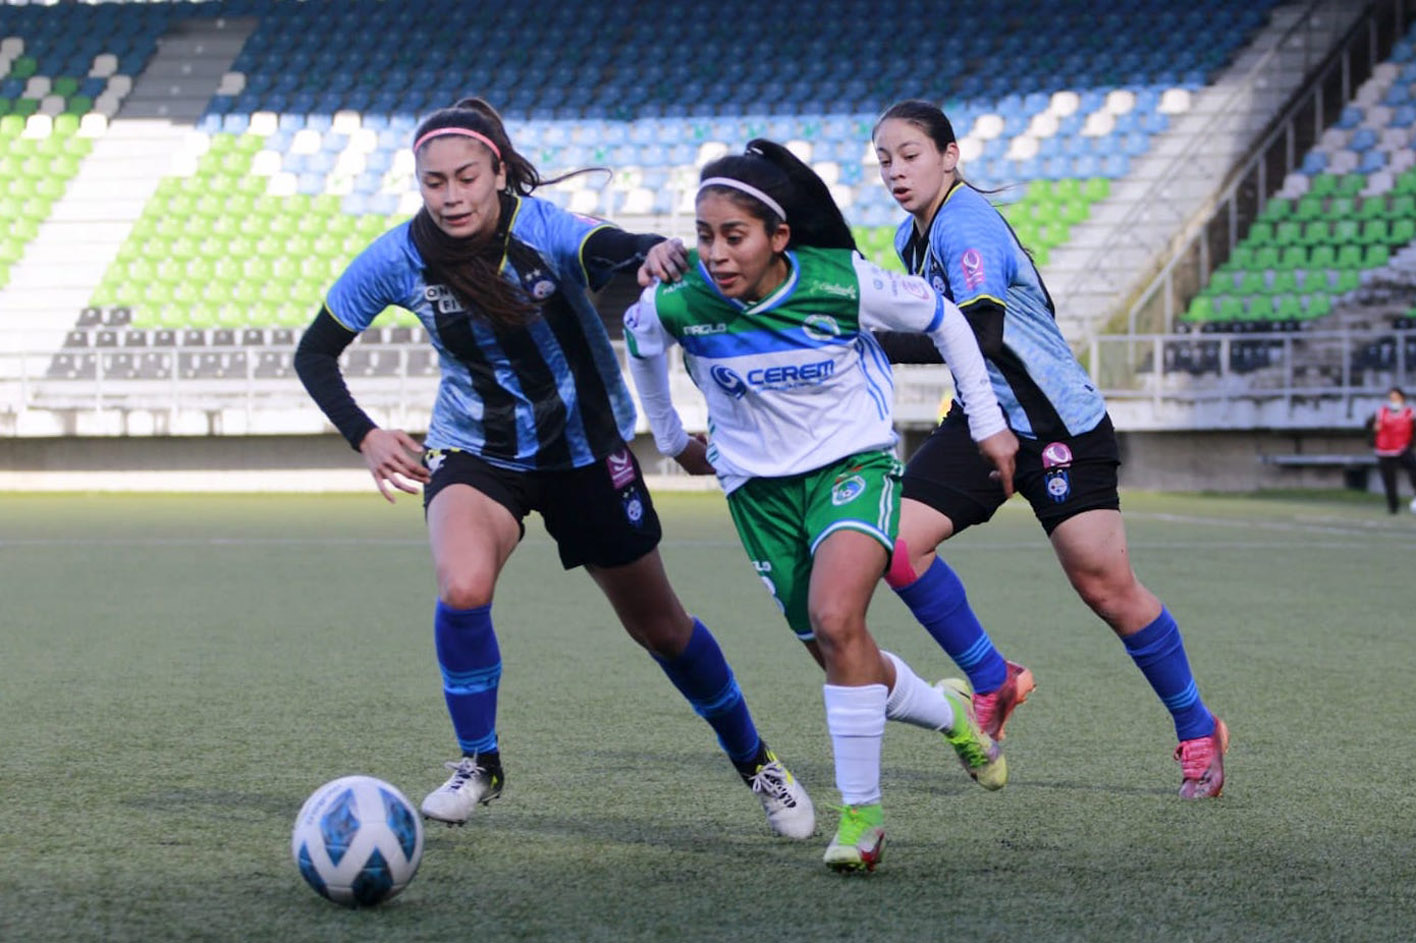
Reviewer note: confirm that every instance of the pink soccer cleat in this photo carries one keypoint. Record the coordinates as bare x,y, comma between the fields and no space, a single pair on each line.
1202,763
995,707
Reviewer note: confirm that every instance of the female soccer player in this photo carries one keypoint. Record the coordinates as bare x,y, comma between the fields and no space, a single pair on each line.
774,317
532,414
1068,455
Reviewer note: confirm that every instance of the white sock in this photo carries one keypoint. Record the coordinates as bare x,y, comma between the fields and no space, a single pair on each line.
855,716
915,701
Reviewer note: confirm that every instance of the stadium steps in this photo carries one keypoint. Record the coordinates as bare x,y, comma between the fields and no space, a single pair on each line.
75,245
1091,286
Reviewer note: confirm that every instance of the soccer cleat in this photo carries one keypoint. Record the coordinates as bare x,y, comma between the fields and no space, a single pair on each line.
1202,763
979,754
788,807
995,707
470,783
860,839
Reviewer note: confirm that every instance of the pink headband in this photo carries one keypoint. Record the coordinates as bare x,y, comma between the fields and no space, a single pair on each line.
465,132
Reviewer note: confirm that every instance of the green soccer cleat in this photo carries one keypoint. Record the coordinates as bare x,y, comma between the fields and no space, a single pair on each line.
979,754
860,840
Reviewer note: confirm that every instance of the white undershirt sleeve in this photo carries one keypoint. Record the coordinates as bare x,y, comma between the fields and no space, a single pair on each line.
900,302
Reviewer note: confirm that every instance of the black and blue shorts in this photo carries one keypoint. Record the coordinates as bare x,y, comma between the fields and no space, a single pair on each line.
599,514
1060,478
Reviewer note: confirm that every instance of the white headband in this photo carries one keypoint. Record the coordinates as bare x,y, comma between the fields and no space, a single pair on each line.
747,188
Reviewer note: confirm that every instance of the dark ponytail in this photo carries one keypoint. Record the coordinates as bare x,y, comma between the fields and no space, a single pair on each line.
812,213
472,267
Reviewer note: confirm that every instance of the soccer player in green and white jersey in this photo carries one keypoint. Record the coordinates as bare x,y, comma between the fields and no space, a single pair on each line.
775,316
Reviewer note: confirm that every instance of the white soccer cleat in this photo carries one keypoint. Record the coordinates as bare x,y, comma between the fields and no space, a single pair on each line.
470,784
788,807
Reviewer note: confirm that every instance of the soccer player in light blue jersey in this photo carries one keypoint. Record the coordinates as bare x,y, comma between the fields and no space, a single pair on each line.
1067,459
532,414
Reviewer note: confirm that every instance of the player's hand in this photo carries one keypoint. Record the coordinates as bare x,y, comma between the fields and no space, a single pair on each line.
694,457
392,457
666,262
1001,449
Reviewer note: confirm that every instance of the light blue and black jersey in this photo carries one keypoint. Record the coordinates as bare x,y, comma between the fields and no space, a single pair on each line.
545,396
973,258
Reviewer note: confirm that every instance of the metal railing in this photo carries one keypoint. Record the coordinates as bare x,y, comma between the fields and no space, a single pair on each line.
1152,381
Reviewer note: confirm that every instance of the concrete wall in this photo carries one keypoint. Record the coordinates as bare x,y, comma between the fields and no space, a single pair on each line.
1160,461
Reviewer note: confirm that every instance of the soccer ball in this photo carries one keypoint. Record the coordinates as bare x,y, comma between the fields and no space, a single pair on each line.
357,841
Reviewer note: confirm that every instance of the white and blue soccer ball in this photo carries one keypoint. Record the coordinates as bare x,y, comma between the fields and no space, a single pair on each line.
357,841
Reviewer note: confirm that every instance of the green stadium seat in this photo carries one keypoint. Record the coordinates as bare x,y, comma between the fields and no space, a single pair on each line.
1402,206
1403,231
1351,184
1376,256
1308,207
1319,304
1231,308
1315,233
1294,257
1322,257
1404,185
1096,188
1276,209
1241,258
1265,258
1261,234
1323,185
1375,231
1346,231
1260,308
23,107
1341,207
1283,283
1373,207
1252,283
1349,257
1287,308
1202,308
1347,280
23,67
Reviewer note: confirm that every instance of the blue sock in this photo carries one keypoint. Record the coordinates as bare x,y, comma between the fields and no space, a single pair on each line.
471,669
1159,652
939,602
703,677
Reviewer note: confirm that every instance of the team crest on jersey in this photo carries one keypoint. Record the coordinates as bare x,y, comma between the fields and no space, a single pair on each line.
539,284
1059,485
847,490
939,284
732,384
820,327
434,460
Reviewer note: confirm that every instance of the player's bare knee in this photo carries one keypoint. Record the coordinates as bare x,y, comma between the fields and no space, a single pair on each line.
464,590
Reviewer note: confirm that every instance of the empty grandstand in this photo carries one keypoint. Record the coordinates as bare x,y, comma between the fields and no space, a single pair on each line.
1219,195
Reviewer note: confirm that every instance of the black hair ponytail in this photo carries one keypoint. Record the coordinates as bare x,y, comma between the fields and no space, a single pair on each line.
811,211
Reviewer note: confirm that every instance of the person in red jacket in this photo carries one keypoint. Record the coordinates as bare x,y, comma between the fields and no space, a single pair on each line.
1393,426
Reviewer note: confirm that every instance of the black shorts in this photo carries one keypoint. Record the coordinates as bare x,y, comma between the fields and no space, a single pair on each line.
599,514
1060,478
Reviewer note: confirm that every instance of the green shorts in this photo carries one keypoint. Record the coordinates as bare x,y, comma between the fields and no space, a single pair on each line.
781,521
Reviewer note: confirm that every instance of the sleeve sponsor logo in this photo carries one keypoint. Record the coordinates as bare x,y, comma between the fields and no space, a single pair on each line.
1056,455
702,330
620,465
631,317
972,262
773,379
916,287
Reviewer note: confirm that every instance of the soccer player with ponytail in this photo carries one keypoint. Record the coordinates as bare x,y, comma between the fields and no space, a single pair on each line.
1067,457
774,316
532,414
